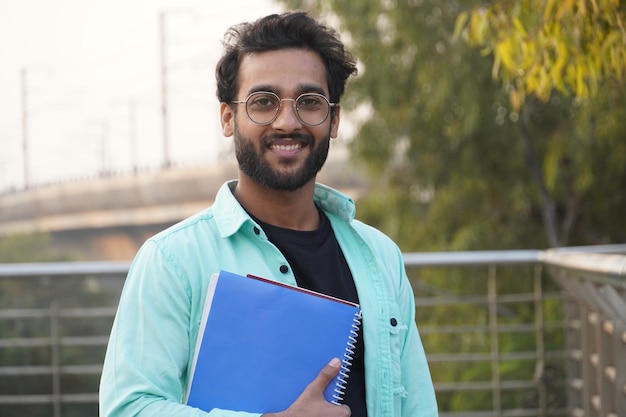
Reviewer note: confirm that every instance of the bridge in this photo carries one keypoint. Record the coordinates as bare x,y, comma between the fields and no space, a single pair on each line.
109,217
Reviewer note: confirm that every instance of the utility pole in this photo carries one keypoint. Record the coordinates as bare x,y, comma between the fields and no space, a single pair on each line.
25,156
167,162
164,112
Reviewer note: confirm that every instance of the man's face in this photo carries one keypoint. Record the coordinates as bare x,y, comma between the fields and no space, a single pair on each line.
285,154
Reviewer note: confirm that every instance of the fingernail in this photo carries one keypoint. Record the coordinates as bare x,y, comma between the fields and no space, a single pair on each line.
334,362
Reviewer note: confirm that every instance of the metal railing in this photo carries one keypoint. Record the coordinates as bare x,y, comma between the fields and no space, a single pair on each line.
512,338
499,320
54,325
595,314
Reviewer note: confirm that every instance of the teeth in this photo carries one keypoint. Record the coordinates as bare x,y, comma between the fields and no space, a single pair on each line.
286,147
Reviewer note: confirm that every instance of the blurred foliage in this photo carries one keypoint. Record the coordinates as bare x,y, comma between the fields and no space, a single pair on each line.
542,45
449,156
28,247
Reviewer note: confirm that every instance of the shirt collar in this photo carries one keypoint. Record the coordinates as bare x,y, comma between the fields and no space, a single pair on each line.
230,216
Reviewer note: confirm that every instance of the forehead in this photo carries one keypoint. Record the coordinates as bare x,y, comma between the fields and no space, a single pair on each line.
286,72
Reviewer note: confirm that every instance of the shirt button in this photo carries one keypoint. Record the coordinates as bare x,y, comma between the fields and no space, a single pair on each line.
284,269
393,322
256,230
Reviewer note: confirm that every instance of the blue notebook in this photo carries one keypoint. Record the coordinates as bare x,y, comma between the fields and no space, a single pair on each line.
262,342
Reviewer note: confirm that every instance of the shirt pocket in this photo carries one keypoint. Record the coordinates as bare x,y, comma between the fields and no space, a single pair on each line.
397,336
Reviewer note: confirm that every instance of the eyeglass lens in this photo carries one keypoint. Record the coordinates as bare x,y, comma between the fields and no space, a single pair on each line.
263,107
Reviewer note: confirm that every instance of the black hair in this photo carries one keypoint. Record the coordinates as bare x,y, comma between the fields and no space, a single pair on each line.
281,31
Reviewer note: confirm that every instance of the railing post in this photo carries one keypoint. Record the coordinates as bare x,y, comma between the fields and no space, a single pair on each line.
539,345
574,356
55,344
619,343
603,363
492,297
588,373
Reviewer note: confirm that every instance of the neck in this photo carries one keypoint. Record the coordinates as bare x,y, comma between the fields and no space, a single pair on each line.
287,209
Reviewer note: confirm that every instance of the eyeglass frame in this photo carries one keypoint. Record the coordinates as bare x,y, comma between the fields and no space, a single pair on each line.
280,106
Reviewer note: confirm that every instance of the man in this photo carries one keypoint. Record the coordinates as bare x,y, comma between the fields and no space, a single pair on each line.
279,83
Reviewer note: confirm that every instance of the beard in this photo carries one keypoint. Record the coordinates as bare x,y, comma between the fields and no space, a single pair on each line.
254,165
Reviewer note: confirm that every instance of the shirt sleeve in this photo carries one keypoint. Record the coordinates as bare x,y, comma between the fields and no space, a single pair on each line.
146,364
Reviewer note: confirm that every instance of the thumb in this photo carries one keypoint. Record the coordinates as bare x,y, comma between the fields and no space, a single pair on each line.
326,375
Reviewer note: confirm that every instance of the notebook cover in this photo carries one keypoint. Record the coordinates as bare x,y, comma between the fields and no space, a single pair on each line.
262,342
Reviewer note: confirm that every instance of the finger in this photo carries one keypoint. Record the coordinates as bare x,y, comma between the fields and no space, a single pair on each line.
326,375
347,412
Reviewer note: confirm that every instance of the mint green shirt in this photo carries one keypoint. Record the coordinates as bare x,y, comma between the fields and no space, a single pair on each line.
152,342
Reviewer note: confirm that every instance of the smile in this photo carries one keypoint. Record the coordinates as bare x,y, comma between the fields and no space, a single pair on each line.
286,148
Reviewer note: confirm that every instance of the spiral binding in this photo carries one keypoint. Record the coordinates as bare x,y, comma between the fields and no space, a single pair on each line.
346,361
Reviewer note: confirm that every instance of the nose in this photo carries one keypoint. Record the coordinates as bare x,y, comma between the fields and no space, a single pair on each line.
287,118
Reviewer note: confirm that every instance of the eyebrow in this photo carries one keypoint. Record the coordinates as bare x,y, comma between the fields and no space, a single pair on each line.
301,89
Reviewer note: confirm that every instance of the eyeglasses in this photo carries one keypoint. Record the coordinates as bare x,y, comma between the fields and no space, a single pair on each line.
263,107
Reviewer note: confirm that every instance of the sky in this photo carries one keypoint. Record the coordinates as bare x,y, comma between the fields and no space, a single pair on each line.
86,78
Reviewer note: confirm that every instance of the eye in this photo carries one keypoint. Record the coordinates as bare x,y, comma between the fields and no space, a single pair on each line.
310,102
263,102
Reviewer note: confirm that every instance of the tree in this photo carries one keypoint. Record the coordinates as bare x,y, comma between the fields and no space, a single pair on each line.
25,247
543,45
451,157
540,46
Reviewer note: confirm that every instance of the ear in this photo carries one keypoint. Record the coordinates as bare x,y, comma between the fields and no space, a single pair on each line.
227,119
334,123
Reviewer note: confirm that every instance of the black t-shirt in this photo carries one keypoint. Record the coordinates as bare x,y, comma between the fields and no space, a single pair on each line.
319,265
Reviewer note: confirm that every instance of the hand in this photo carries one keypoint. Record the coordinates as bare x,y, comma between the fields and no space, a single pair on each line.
311,403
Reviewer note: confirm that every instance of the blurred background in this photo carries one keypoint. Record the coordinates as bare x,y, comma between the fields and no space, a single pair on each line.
486,138
485,128
82,84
